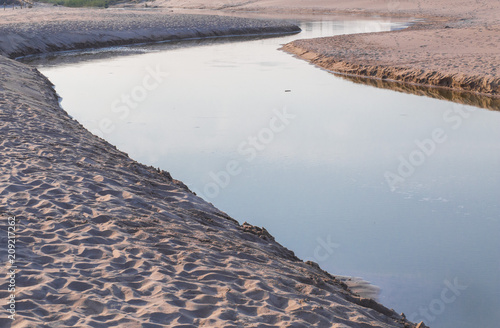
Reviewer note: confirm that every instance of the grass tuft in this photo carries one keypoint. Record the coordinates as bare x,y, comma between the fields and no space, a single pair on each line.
81,3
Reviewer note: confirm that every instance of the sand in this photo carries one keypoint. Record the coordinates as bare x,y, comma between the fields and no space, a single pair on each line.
452,44
49,29
104,241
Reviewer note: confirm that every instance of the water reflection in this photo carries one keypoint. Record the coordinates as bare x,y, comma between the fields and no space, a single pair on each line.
82,56
461,97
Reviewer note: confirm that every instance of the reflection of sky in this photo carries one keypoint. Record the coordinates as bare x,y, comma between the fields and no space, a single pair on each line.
324,174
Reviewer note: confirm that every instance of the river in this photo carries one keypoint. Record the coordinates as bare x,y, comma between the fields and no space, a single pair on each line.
399,189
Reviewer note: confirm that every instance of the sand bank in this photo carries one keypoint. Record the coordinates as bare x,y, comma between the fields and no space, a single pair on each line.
454,45
48,29
395,56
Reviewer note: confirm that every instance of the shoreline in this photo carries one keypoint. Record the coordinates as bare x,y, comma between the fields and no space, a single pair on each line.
65,29
106,241
351,63
28,58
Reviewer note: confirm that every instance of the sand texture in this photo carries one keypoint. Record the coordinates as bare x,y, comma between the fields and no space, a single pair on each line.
48,29
103,241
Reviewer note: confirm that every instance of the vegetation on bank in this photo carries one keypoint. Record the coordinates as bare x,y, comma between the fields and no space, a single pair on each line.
82,3
19,3
67,3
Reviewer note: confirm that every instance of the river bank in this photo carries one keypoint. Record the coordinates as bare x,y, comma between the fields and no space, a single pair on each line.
44,28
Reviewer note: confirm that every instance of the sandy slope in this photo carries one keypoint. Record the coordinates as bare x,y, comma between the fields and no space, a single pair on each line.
104,241
456,47
47,28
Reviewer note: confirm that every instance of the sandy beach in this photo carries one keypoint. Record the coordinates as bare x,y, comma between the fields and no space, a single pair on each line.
104,241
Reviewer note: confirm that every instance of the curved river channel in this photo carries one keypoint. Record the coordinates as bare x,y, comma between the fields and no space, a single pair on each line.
399,189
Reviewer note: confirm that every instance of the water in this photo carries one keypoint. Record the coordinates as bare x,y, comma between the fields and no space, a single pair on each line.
399,189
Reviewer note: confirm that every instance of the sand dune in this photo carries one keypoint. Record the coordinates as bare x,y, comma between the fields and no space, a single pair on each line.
104,241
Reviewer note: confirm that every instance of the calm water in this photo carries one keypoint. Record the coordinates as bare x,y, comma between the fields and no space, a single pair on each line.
399,189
